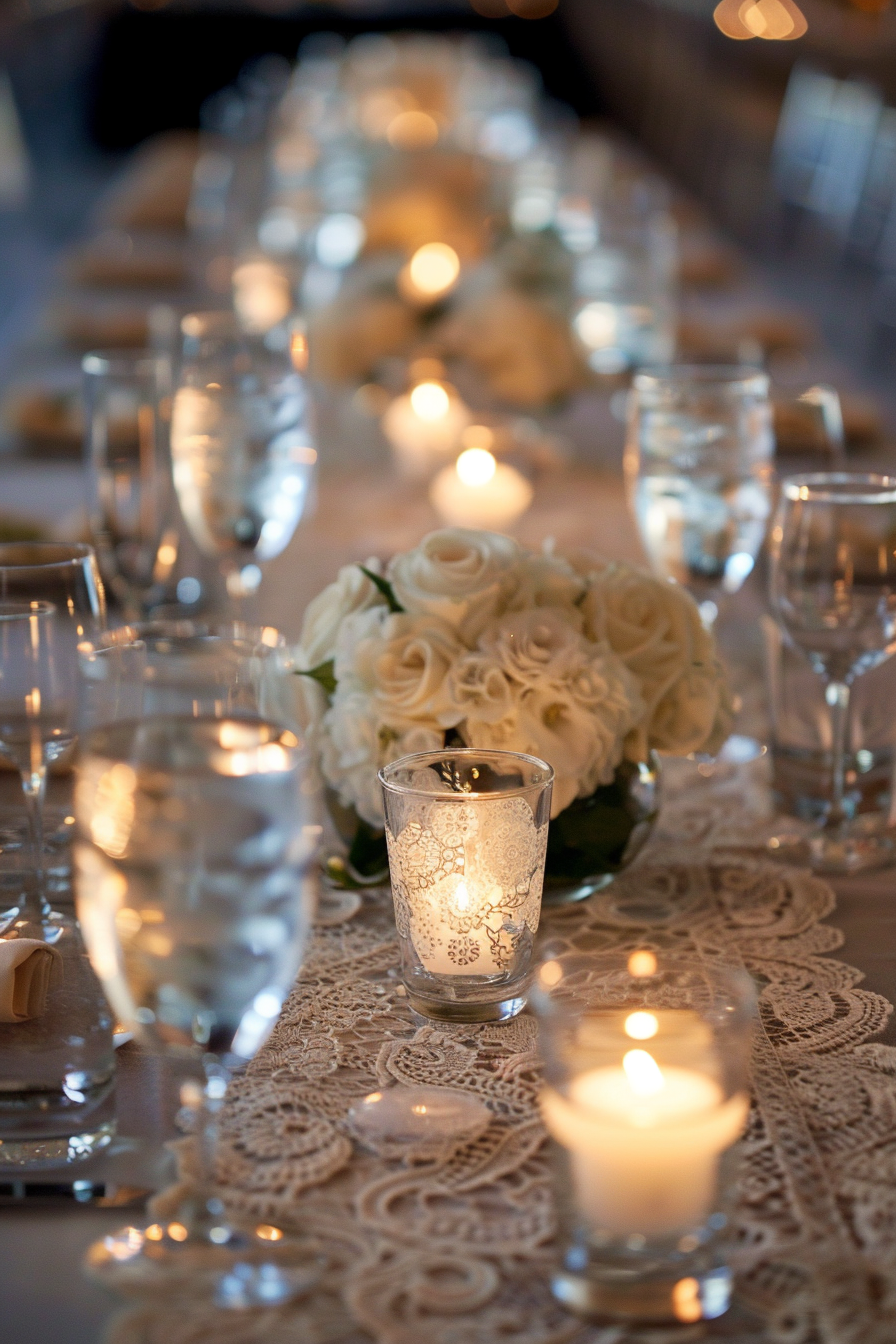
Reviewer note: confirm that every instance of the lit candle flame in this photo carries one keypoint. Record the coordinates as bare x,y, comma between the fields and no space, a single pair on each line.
645,1077
430,401
642,964
462,897
641,1026
433,269
476,466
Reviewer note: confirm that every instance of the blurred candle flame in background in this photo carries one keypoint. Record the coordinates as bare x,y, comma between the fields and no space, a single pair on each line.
772,20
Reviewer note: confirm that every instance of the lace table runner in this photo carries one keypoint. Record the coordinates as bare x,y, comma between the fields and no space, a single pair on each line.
455,1247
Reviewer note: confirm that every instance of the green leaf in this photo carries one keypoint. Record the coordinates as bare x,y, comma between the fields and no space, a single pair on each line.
384,587
368,855
322,674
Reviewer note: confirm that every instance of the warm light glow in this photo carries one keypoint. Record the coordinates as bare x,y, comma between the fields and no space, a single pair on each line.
462,897
166,554
412,130
597,325
641,1026
373,1097
551,974
268,1233
430,401
433,269
155,1232
177,1232
686,1300
642,964
298,351
478,436
419,1109
644,1075
476,466
113,816
771,20
262,295
380,108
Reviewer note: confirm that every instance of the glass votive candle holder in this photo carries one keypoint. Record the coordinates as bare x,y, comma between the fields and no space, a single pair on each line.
646,1067
467,833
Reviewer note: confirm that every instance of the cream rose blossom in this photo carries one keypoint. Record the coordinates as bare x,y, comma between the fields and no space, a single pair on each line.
465,577
351,592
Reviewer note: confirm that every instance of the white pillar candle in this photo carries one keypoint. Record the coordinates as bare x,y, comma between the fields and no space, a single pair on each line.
480,492
644,1143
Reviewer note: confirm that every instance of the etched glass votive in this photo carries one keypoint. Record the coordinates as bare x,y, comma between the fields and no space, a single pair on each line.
467,833
646,1061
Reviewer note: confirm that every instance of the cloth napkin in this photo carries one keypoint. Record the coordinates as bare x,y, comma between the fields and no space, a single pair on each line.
26,968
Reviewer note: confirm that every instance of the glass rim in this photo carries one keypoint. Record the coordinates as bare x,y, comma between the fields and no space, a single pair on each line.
418,758
185,628
122,363
735,982
61,553
823,487
179,724
722,376
17,611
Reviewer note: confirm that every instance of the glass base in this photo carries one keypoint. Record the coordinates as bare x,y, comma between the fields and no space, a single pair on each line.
260,1269
406,1121
682,1295
49,1151
467,1010
859,846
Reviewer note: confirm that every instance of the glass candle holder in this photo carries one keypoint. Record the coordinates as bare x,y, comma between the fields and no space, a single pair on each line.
467,833
646,1090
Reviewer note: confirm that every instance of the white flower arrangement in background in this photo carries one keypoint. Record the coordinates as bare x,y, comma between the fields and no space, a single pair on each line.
580,661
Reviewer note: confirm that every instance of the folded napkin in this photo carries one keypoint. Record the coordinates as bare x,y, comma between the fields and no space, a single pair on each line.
26,968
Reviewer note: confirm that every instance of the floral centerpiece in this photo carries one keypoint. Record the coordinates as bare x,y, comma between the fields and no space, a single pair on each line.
471,639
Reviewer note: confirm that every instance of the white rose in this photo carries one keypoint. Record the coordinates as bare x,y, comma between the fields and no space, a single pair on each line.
402,661
479,689
537,645
654,626
351,592
355,744
463,576
548,580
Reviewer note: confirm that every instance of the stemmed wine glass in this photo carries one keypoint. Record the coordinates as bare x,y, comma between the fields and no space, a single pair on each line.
194,872
128,472
833,593
241,444
61,588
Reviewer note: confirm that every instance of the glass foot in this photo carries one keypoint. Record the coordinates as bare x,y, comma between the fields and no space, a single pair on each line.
403,1120
260,1268
54,1151
662,1296
859,846
467,1010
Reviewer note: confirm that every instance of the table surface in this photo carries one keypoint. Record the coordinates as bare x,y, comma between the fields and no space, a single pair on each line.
358,514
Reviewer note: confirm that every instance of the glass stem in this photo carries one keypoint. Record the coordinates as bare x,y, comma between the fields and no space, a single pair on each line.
34,908
837,695
203,1213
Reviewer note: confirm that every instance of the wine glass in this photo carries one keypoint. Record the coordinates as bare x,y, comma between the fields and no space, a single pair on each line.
194,872
65,580
128,471
241,444
56,1046
222,669
833,593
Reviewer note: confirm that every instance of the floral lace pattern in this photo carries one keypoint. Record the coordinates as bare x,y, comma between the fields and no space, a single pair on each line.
466,880
457,1247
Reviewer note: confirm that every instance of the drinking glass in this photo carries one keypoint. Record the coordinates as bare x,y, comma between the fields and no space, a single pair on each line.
127,397
194,871
646,1088
64,579
56,1048
220,669
241,443
833,593
698,465
467,836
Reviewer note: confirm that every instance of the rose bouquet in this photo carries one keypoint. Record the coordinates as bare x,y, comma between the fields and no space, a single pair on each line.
472,639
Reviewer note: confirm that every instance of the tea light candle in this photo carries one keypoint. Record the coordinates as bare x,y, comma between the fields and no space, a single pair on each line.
460,930
644,1143
479,491
424,425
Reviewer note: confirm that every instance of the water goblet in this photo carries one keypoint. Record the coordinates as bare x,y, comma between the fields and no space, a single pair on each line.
194,872
833,593
241,444
127,402
56,1048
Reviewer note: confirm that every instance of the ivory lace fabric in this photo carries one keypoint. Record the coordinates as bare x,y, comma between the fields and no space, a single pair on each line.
456,1246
